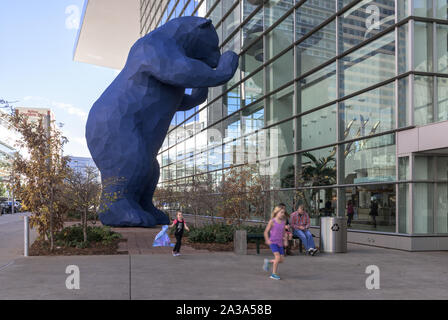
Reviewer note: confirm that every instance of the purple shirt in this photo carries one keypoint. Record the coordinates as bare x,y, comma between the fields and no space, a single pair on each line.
276,233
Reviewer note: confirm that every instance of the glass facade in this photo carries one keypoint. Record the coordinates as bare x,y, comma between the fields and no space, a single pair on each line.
322,88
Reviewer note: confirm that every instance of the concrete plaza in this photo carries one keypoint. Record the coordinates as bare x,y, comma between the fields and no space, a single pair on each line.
403,275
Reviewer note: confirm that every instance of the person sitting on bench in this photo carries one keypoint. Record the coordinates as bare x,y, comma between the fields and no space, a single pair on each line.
300,222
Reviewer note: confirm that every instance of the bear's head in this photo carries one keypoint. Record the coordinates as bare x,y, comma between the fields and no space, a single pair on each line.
198,38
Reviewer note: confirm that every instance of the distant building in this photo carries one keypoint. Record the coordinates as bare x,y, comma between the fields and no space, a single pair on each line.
80,163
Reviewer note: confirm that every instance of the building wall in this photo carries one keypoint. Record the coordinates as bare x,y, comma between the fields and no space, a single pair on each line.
323,89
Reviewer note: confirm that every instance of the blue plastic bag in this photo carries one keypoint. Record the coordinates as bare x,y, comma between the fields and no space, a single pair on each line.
162,239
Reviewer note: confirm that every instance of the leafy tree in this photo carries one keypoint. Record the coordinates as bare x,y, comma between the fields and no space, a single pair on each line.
38,177
241,191
3,190
83,193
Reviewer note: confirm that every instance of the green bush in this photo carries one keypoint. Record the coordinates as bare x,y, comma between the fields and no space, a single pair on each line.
73,236
219,233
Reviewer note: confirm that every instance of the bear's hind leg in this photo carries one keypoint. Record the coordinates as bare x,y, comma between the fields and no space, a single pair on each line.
148,193
125,212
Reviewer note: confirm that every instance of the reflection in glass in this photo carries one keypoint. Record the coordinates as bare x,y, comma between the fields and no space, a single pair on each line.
280,37
423,46
370,160
423,100
373,206
316,49
373,63
317,89
365,20
369,113
279,106
318,128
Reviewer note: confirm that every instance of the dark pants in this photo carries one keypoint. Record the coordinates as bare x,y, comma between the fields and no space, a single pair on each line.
350,218
178,242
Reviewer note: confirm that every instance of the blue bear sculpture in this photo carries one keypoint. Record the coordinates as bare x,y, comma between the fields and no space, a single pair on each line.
128,123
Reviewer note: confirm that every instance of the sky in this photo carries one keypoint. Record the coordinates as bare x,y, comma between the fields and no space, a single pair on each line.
37,40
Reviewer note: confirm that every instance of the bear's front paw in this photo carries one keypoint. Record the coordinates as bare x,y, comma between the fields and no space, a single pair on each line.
228,63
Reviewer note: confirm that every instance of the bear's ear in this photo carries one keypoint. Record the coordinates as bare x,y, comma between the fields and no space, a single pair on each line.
206,24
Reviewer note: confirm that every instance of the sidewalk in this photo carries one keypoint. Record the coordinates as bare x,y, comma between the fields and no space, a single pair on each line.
403,275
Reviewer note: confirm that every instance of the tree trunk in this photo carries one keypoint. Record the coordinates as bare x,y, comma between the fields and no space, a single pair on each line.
84,225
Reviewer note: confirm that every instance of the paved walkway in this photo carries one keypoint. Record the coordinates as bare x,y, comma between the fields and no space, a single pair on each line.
140,240
11,237
403,275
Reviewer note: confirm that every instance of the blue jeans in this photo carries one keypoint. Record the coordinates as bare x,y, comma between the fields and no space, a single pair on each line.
306,237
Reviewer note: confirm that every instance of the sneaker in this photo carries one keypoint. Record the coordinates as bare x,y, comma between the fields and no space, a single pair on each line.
174,254
274,276
314,252
266,265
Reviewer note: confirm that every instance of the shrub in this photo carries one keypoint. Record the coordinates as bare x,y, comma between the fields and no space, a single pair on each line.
73,236
219,233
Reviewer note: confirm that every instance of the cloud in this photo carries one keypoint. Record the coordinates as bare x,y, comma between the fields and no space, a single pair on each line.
41,102
74,18
70,109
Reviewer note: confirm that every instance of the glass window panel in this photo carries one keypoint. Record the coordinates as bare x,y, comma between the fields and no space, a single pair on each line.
318,128
280,139
252,118
441,9
373,63
423,8
215,158
232,127
403,168
216,14
274,10
373,206
214,134
235,46
404,210
316,49
252,59
403,101
369,113
201,162
317,89
442,98
403,9
232,101
280,37
423,100
311,14
280,106
233,153
365,20
442,208
403,48
279,172
423,208
318,202
442,48
214,111
370,160
317,167
280,71
423,168
423,46
442,168
254,27
232,21
252,88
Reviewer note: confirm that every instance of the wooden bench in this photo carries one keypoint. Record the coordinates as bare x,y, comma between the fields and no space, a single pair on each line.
260,237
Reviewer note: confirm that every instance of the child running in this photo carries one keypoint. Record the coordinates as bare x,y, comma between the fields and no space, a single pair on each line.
180,225
274,234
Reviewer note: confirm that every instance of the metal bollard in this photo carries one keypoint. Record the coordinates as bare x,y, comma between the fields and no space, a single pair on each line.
26,239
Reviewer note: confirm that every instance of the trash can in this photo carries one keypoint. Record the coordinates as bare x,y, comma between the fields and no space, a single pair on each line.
333,234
